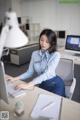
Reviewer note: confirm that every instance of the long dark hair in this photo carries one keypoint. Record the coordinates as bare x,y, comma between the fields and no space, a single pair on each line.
52,39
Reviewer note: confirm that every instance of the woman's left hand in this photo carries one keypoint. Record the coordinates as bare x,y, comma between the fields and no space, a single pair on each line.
24,86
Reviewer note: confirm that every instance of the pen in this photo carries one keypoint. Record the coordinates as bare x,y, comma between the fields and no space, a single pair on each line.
48,106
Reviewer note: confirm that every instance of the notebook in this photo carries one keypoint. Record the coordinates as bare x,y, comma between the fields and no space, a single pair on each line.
47,107
14,92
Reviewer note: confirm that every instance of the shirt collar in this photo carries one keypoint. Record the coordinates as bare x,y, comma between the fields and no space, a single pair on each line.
44,53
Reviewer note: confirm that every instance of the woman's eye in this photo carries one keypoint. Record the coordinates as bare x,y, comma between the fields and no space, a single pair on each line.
41,39
47,42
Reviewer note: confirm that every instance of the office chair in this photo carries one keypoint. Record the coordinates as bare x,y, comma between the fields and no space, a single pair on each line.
65,70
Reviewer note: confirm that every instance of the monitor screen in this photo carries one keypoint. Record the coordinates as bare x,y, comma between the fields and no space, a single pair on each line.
73,43
3,88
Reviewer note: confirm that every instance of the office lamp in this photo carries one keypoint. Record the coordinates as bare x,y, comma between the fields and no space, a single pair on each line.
11,35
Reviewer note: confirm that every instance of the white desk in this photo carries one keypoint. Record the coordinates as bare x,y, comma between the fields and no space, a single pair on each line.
70,110
67,55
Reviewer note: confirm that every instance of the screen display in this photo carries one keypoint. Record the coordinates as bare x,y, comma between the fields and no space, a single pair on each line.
72,43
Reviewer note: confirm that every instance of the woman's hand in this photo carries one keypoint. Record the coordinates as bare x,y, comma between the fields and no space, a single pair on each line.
13,79
24,86
10,78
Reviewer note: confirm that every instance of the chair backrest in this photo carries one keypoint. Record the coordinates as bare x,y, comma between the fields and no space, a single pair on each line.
65,70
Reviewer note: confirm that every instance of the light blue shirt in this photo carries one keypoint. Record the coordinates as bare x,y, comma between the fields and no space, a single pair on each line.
42,63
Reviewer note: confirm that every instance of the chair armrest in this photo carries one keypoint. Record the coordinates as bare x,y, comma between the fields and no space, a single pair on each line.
73,85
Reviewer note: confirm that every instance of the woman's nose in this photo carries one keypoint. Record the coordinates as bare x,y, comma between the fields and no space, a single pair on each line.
43,42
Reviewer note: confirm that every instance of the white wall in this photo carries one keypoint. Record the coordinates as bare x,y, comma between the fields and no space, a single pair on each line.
49,13
39,11
16,6
52,14
68,17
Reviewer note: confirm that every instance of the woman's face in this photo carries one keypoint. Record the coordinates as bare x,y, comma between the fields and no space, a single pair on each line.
44,42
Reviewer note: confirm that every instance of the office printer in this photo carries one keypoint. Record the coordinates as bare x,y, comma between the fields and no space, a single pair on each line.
23,54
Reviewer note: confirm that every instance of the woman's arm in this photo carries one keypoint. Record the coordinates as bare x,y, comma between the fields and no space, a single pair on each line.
25,85
49,71
25,75
30,70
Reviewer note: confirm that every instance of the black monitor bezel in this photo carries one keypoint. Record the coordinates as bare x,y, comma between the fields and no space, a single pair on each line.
74,36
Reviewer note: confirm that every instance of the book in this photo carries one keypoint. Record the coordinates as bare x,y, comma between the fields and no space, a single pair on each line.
47,107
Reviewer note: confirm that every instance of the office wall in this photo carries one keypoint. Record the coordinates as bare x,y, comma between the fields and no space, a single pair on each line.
52,14
49,13
16,6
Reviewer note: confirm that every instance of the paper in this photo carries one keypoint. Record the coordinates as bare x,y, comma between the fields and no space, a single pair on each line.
48,107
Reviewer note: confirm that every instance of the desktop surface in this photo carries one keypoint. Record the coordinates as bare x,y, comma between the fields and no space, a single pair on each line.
70,110
69,55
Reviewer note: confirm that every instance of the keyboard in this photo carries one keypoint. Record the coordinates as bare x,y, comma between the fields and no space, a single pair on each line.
14,92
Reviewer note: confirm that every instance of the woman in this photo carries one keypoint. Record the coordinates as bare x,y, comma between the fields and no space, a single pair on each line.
44,62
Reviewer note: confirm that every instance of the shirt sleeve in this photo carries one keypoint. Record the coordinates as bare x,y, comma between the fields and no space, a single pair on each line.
49,71
30,70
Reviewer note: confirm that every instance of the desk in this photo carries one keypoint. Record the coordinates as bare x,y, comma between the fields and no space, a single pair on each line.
65,54
70,110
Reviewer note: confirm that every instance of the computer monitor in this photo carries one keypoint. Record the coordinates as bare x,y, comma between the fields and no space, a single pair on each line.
3,87
73,44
